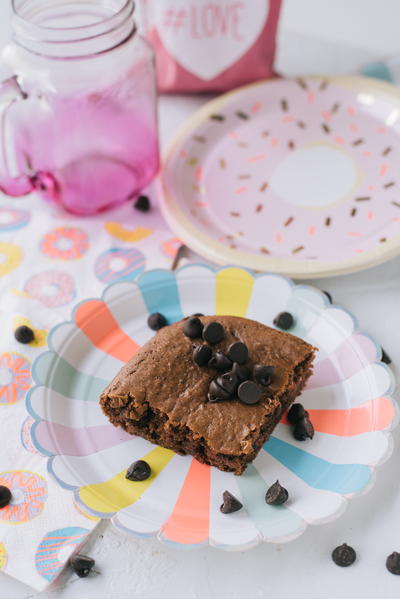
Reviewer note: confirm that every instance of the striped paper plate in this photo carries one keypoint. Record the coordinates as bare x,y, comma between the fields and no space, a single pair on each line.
348,398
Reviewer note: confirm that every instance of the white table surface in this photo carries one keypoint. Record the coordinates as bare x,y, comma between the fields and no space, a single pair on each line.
316,36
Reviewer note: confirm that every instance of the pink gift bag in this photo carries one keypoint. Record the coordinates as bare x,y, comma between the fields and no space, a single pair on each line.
211,46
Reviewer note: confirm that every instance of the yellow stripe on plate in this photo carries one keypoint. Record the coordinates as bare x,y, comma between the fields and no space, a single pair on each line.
234,287
118,492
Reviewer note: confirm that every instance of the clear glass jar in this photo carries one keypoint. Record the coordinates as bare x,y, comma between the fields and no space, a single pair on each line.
78,106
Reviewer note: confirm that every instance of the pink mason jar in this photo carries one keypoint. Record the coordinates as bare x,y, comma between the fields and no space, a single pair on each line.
78,104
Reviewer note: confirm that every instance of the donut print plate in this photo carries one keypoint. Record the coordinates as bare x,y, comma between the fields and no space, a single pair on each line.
348,398
292,176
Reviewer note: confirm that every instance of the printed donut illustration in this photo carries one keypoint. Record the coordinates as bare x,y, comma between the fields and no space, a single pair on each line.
120,232
26,438
171,246
15,377
53,288
3,556
12,258
55,548
119,264
29,494
12,220
65,243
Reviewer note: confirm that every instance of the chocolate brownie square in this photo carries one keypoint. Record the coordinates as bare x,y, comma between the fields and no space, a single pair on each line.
164,396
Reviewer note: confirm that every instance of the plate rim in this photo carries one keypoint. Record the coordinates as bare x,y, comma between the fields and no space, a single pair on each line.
259,540
211,249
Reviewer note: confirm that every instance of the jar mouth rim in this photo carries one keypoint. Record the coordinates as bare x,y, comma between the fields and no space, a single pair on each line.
104,21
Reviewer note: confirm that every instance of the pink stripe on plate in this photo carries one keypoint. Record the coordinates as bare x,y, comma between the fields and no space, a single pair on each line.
56,439
352,356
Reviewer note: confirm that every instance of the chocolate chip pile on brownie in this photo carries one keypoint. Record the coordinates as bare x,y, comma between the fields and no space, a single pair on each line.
300,419
235,379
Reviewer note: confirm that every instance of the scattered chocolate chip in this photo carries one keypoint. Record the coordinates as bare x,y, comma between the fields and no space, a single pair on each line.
328,295
202,355
344,555
82,565
193,327
156,321
284,321
296,413
393,563
242,373
263,374
138,471
231,504
238,352
385,357
303,429
220,361
228,382
276,494
142,204
24,334
213,333
5,496
249,392
217,393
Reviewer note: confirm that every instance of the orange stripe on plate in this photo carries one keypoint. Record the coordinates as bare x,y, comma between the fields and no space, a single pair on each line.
189,522
374,415
98,324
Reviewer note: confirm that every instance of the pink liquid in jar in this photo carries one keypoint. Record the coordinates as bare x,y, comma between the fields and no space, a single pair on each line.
82,130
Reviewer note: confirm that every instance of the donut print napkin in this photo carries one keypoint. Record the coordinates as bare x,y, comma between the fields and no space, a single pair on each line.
49,261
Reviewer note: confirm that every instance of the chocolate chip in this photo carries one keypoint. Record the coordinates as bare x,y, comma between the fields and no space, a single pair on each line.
228,382
193,327
385,357
217,393
328,295
82,565
393,563
231,504
220,361
276,494
198,314
156,321
138,471
202,355
242,373
24,334
238,352
284,321
142,204
213,333
303,429
5,496
296,413
249,392
344,555
263,374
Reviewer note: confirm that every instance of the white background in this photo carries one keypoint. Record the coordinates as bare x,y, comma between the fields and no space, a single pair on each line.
316,36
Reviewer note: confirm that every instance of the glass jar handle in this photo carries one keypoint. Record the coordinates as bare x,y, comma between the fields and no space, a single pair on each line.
12,182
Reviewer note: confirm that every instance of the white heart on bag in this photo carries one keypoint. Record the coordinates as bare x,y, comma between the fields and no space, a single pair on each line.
208,37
